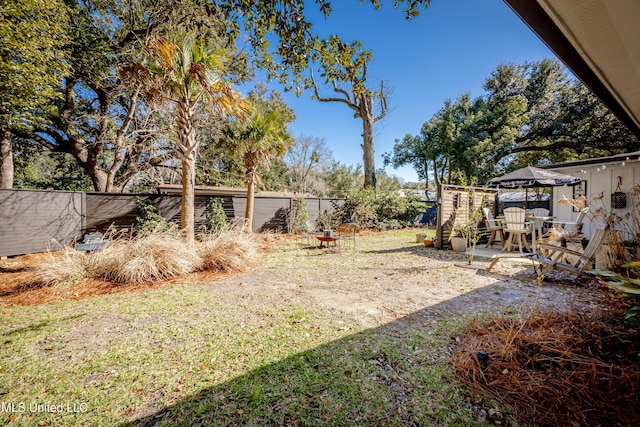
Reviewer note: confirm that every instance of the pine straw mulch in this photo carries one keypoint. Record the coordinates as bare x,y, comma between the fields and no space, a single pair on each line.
557,369
18,285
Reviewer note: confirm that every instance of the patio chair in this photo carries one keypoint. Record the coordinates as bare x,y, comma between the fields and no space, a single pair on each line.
347,236
312,227
557,256
539,218
571,227
539,213
494,226
301,236
517,229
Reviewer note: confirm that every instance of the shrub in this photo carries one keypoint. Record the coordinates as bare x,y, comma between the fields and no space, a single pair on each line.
370,207
154,255
149,218
216,218
361,208
298,215
389,224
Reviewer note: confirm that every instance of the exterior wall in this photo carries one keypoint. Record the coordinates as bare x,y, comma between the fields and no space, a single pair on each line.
600,183
37,221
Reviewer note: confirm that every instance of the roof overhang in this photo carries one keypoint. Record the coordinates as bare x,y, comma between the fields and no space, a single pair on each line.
599,40
203,190
621,158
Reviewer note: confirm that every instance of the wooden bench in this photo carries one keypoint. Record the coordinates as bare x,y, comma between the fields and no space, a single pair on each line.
93,242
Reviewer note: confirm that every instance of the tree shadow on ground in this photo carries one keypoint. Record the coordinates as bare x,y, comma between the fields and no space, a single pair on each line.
396,374
415,249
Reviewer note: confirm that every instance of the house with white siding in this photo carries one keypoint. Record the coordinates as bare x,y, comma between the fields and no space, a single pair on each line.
600,177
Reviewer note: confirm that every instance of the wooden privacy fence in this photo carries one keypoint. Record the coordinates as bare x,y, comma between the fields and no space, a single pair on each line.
34,221
455,204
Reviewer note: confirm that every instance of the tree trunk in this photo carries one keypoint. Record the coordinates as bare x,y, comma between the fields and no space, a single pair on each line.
187,216
426,177
97,175
6,157
248,213
368,153
188,146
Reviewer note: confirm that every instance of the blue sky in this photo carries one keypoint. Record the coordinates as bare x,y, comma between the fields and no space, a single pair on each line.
450,49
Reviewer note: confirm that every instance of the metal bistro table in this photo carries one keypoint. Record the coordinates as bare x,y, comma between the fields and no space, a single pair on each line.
328,239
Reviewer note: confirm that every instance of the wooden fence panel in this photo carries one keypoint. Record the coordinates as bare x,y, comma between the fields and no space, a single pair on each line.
455,206
104,210
34,221
31,220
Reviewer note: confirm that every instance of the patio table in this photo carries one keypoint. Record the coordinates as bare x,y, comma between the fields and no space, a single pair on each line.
328,239
536,220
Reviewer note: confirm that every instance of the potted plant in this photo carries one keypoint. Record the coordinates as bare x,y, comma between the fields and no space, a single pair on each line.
472,232
458,242
469,233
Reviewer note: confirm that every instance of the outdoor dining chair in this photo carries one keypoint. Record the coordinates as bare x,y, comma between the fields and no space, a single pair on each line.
301,236
539,216
558,257
347,236
516,228
571,227
494,226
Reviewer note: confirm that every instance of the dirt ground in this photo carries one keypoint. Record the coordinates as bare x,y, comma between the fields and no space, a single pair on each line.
387,277
387,280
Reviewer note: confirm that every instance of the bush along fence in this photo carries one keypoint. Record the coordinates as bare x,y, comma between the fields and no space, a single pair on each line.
34,221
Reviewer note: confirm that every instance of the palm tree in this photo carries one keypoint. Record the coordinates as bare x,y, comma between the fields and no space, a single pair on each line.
255,140
184,72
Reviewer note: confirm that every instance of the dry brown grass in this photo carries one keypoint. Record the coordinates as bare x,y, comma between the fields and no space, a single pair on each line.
140,263
233,251
63,267
154,256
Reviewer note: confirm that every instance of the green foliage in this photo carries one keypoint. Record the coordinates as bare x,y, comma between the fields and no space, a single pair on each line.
261,137
33,57
531,113
298,216
39,169
216,218
341,179
374,208
149,219
628,284
107,127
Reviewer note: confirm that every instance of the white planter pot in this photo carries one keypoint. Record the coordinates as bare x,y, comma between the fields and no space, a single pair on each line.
458,244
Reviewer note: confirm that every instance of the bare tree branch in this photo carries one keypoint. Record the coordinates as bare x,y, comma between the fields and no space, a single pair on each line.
347,101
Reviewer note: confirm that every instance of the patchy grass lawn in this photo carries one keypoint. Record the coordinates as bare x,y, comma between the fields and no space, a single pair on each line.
260,348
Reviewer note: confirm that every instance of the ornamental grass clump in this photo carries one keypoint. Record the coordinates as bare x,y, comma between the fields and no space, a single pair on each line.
233,251
63,267
153,256
157,254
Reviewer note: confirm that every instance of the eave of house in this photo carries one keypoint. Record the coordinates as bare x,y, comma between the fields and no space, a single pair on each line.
599,40
618,158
